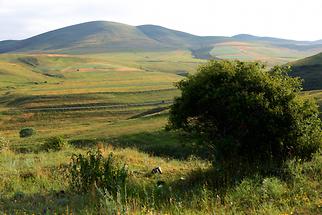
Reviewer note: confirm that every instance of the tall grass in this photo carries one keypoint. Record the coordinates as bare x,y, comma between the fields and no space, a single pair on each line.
37,182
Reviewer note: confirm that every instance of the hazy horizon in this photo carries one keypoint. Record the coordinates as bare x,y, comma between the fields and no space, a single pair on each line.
282,19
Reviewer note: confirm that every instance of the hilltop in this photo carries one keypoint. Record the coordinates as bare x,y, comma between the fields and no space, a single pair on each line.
104,36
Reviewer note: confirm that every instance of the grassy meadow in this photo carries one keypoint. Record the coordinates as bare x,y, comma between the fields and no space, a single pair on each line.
252,51
78,93
118,103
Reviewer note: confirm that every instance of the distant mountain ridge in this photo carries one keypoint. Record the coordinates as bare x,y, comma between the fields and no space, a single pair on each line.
103,36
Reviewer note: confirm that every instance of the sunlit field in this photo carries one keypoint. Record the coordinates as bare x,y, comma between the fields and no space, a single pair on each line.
119,103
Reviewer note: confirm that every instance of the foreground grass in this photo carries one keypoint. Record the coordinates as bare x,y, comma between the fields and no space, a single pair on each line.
38,183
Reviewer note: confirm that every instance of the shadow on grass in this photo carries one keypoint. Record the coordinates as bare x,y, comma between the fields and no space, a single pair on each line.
27,148
55,202
38,146
159,143
162,143
84,143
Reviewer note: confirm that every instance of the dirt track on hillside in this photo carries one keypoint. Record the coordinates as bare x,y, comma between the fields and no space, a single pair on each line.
94,107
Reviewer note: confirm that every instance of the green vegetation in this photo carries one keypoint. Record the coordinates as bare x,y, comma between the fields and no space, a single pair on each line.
309,69
110,37
4,143
100,37
37,182
272,54
94,170
26,132
246,114
95,92
54,143
104,103
317,95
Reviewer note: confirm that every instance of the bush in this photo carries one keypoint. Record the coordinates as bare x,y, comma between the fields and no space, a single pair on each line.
26,132
245,113
82,143
54,143
93,169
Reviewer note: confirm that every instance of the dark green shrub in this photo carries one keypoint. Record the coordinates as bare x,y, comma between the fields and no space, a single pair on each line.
246,113
26,132
54,143
83,143
92,169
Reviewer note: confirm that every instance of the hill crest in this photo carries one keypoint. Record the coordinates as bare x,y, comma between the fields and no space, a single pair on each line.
104,36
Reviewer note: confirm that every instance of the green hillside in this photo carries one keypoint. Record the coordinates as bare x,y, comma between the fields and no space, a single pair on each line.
96,36
112,37
309,61
118,103
309,69
179,39
102,36
252,51
170,37
291,44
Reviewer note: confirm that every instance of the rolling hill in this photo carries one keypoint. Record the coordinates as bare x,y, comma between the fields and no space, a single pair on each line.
86,37
309,69
104,37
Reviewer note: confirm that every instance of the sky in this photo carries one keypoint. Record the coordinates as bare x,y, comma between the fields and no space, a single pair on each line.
289,19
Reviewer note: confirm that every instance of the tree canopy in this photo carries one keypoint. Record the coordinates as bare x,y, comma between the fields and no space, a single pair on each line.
244,110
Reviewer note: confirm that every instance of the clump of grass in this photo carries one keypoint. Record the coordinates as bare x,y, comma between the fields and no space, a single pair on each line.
88,171
54,143
4,143
297,191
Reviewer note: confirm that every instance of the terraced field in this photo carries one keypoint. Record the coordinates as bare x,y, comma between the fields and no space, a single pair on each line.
95,95
88,96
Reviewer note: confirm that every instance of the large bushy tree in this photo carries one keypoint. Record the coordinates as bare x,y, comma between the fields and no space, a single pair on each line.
246,112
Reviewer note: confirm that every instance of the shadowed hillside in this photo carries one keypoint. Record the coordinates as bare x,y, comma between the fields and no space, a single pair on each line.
310,69
178,38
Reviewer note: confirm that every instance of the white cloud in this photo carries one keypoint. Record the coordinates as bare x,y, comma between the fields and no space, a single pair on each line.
294,19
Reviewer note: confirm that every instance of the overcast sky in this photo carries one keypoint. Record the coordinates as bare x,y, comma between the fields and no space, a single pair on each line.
291,19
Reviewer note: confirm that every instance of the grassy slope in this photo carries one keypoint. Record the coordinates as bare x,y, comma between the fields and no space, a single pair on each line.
179,39
35,182
102,37
111,88
309,61
309,69
31,179
89,37
250,51
96,83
